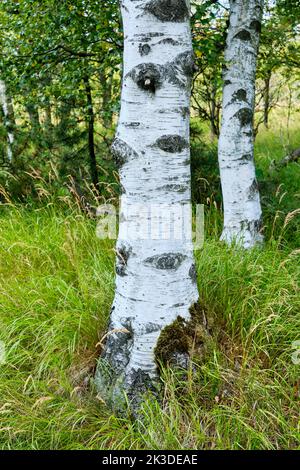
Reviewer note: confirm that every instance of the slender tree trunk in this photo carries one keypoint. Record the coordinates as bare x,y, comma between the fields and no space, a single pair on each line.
106,84
267,101
9,119
48,117
34,117
242,210
155,276
91,143
214,127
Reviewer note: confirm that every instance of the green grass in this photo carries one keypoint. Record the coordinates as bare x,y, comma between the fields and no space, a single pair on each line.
56,287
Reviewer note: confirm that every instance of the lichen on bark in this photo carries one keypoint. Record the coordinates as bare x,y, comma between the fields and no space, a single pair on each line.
171,143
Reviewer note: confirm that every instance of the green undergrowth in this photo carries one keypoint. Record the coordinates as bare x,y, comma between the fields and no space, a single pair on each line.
56,288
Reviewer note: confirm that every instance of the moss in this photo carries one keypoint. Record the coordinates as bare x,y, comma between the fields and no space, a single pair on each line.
192,338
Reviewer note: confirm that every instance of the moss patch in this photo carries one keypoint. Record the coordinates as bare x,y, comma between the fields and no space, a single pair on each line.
190,339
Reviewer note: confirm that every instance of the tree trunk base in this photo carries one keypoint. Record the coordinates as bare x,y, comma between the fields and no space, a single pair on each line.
247,238
124,388
121,386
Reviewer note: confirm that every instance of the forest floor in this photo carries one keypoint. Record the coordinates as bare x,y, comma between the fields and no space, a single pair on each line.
56,288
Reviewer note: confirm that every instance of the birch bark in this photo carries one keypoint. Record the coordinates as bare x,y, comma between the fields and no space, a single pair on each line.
242,209
7,109
155,278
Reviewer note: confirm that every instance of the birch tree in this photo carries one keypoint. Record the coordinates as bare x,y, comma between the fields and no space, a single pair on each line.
155,278
242,209
7,109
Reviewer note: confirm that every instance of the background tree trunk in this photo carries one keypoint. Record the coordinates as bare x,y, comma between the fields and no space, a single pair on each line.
267,101
9,119
34,117
106,80
242,210
214,115
155,278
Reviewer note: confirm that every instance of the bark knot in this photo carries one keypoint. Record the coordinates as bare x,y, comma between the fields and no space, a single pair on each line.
147,76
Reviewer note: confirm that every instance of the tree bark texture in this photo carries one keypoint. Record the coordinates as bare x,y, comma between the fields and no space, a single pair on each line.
9,120
155,278
242,209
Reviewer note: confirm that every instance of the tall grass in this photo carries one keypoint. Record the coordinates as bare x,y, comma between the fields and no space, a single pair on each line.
56,287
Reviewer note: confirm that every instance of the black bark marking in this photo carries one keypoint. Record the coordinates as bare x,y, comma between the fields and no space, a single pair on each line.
123,254
256,26
169,261
148,77
240,95
253,226
168,10
227,82
170,41
147,37
257,224
171,143
132,125
193,273
245,116
253,188
144,49
121,152
185,111
140,383
179,188
181,69
151,328
247,157
243,35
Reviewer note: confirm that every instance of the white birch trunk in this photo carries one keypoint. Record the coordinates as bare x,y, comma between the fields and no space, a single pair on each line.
6,105
242,209
155,279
